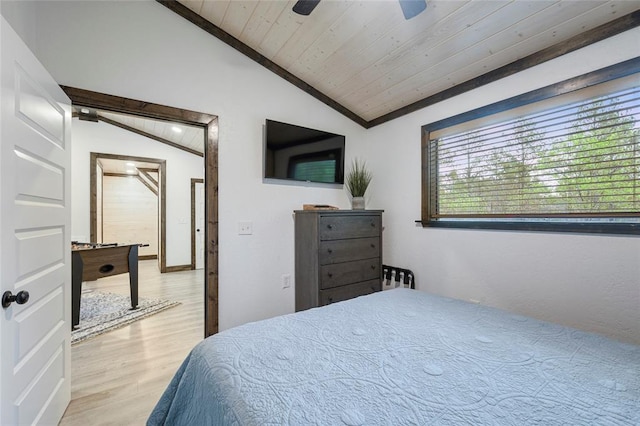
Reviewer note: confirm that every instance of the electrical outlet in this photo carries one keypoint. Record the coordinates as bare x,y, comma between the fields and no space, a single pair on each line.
286,280
245,228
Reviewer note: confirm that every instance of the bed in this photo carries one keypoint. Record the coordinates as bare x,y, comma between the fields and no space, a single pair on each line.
404,357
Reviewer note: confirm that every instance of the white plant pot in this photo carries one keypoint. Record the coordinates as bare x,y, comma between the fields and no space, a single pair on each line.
357,203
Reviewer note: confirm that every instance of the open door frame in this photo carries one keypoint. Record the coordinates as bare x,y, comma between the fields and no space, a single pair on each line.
193,220
87,98
162,201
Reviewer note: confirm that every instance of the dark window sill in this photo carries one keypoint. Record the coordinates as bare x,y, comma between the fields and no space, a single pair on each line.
585,228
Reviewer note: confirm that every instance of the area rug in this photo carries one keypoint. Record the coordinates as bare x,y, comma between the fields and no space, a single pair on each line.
101,312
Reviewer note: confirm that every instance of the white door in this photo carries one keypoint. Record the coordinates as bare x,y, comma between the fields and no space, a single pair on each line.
199,225
35,254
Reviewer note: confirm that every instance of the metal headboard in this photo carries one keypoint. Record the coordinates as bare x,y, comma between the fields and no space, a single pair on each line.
392,276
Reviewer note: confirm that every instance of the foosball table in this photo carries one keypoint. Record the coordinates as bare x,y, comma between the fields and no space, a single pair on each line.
91,261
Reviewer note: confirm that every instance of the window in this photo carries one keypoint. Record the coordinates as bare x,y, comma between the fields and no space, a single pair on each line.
546,160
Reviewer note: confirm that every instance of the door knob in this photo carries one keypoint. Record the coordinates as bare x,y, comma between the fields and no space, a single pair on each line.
198,230
21,298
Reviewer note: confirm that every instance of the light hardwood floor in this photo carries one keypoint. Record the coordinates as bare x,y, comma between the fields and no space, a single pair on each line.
117,377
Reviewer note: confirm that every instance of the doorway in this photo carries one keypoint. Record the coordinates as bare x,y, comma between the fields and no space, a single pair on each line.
197,223
140,216
96,100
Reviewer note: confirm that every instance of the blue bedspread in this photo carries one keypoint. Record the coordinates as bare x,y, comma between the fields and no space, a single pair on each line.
404,357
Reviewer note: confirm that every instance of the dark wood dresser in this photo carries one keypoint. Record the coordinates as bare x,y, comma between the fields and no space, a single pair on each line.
338,255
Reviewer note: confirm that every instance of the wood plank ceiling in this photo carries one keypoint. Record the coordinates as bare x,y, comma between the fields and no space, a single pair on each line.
365,60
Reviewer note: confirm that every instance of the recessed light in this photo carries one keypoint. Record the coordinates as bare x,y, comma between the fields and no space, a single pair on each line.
131,172
131,164
176,129
85,110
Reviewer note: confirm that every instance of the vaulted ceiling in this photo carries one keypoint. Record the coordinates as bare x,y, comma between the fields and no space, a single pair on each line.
178,135
367,61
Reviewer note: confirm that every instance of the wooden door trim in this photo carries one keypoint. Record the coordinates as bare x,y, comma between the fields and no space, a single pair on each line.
87,98
93,223
193,220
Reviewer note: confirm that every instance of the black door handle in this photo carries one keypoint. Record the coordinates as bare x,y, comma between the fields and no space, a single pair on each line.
8,298
198,230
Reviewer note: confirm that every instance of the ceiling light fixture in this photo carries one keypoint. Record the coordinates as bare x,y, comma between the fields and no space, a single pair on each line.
176,129
87,114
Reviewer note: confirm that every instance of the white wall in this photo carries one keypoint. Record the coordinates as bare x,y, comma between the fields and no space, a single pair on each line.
104,138
142,50
590,282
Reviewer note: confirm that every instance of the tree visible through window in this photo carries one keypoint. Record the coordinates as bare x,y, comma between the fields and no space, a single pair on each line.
559,162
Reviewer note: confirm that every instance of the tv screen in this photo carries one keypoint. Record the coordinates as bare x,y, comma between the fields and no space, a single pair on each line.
302,154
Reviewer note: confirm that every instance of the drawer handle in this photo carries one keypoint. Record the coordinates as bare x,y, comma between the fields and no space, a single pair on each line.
373,225
330,275
331,300
330,226
373,266
373,246
330,251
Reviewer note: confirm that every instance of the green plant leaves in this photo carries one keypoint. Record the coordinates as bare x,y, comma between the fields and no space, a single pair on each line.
358,178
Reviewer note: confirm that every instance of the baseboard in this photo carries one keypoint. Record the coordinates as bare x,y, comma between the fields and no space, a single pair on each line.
178,268
148,257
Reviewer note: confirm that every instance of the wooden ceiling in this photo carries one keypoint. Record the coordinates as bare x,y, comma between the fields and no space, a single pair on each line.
366,61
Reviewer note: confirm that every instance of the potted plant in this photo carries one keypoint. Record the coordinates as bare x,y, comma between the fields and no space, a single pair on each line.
357,181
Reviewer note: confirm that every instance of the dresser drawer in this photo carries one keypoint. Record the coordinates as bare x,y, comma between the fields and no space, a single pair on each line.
348,292
340,227
336,251
338,274
338,255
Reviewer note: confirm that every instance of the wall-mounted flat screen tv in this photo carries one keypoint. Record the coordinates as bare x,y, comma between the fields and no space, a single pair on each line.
302,154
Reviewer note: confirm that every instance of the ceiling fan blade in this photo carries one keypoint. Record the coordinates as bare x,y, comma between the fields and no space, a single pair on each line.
305,7
411,8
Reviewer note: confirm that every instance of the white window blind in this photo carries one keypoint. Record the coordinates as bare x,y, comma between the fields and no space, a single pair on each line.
571,157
